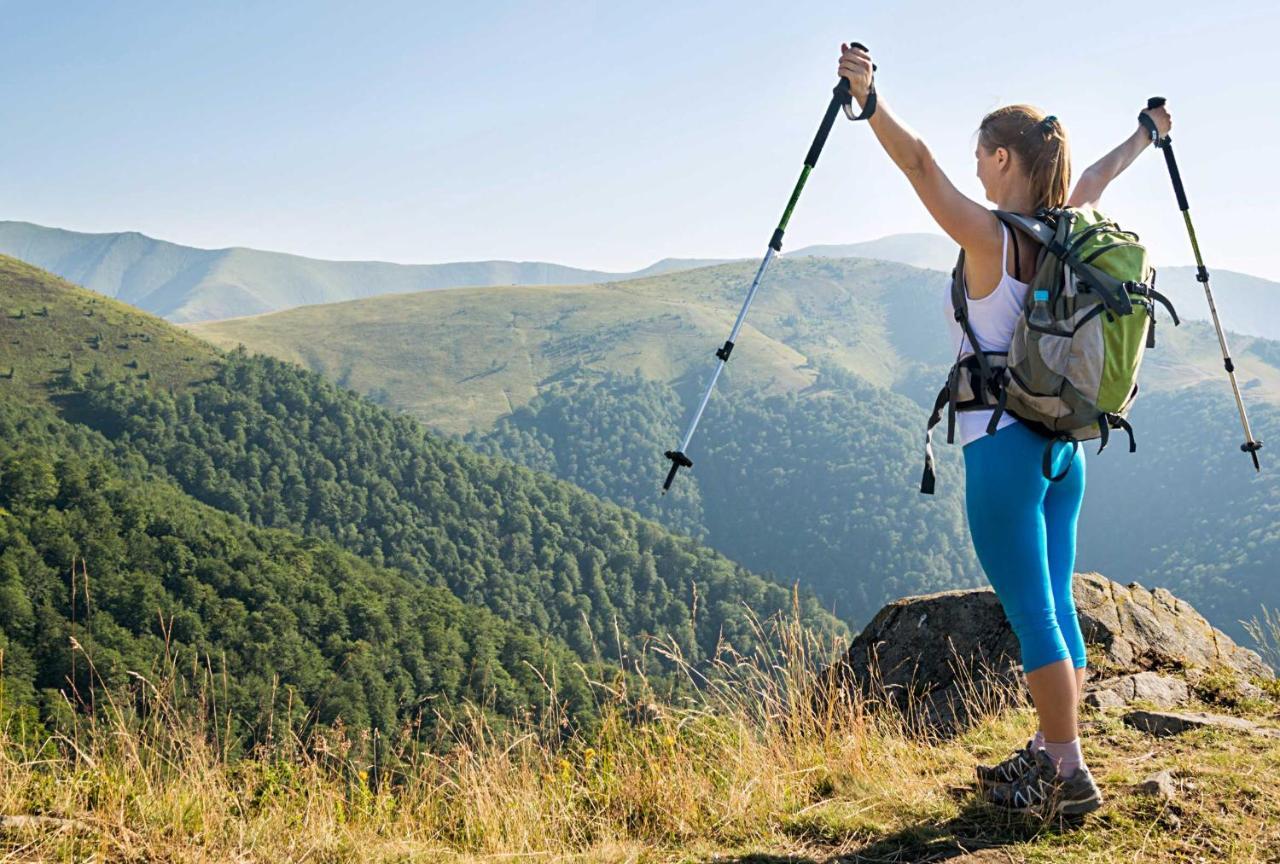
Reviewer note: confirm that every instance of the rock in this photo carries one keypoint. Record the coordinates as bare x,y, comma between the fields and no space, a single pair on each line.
942,655
1140,629
1165,723
921,651
1152,687
1159,784
1103,697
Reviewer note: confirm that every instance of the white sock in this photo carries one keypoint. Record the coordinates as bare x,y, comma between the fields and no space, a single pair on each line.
1066,755
1037,742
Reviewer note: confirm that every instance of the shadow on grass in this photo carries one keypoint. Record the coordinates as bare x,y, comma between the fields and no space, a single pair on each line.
978,833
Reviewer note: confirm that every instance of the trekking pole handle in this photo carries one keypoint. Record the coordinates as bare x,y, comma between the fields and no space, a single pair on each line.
845,95
1149,124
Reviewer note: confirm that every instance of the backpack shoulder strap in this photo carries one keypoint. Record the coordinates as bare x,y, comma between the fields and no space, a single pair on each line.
960,305
1041,232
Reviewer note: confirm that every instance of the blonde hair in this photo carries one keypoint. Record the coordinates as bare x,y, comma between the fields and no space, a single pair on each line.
1042,147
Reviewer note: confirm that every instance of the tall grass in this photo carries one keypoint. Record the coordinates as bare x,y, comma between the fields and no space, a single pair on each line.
155,771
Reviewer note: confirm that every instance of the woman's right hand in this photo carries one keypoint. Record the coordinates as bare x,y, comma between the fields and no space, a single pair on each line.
855,64
1161,117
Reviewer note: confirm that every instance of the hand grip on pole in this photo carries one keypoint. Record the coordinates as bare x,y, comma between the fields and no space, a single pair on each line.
1149,124
845,96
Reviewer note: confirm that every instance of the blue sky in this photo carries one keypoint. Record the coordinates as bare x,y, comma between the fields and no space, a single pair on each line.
601,135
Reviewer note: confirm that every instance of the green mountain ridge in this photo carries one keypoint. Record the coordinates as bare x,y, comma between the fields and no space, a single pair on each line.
513,565
461,359
808,460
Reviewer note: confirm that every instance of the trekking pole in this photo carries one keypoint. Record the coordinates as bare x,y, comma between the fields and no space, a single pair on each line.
841,97
1250,445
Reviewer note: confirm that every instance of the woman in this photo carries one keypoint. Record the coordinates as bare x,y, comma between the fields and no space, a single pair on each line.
1023,526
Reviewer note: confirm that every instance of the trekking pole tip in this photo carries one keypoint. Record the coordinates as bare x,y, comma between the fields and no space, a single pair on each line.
1252,448
678,461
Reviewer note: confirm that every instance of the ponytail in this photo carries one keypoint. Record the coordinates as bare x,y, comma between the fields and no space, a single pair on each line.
1042,147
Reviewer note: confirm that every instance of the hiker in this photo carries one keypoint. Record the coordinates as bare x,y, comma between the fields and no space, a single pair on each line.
1023,525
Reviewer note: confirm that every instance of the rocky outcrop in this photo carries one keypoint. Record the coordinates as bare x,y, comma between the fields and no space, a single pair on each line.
942,655
1136,628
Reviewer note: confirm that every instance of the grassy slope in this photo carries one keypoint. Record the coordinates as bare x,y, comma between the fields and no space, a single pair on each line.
48,326
461,359
464,358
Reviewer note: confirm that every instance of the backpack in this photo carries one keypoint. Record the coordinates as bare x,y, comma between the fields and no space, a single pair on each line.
1071,372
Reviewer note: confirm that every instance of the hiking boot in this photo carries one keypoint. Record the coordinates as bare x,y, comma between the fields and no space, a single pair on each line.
1008,770
1041,792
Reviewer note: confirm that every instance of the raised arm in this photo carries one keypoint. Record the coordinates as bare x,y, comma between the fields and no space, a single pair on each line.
966,221
1098,176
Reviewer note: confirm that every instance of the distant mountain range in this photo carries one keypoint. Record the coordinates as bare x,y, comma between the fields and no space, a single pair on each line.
186,284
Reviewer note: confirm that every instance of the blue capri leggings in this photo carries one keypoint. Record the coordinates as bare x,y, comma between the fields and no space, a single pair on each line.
1024,531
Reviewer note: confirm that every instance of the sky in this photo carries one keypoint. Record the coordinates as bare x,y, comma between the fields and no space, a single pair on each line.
604,135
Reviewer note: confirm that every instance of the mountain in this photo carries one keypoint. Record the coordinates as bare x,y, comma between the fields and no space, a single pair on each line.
1246,304
182,283
247,508
186,284
808,459
929,251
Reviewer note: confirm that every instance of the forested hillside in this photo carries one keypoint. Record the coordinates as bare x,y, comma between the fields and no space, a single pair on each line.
239,507
283,448
820,486
108,570
1187,511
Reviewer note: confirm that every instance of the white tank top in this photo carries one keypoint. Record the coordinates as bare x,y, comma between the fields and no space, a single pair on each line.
992,319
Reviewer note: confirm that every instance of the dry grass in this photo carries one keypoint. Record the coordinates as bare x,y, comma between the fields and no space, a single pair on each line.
762,763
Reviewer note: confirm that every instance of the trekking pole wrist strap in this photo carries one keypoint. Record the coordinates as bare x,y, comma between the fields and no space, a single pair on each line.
1145,121
845,94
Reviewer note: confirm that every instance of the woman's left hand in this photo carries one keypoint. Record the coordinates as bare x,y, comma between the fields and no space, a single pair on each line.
855,64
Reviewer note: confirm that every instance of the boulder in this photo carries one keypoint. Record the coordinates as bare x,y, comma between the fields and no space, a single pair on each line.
942,655
1137,628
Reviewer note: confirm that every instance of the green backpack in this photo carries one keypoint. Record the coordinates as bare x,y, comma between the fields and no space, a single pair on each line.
1071,372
